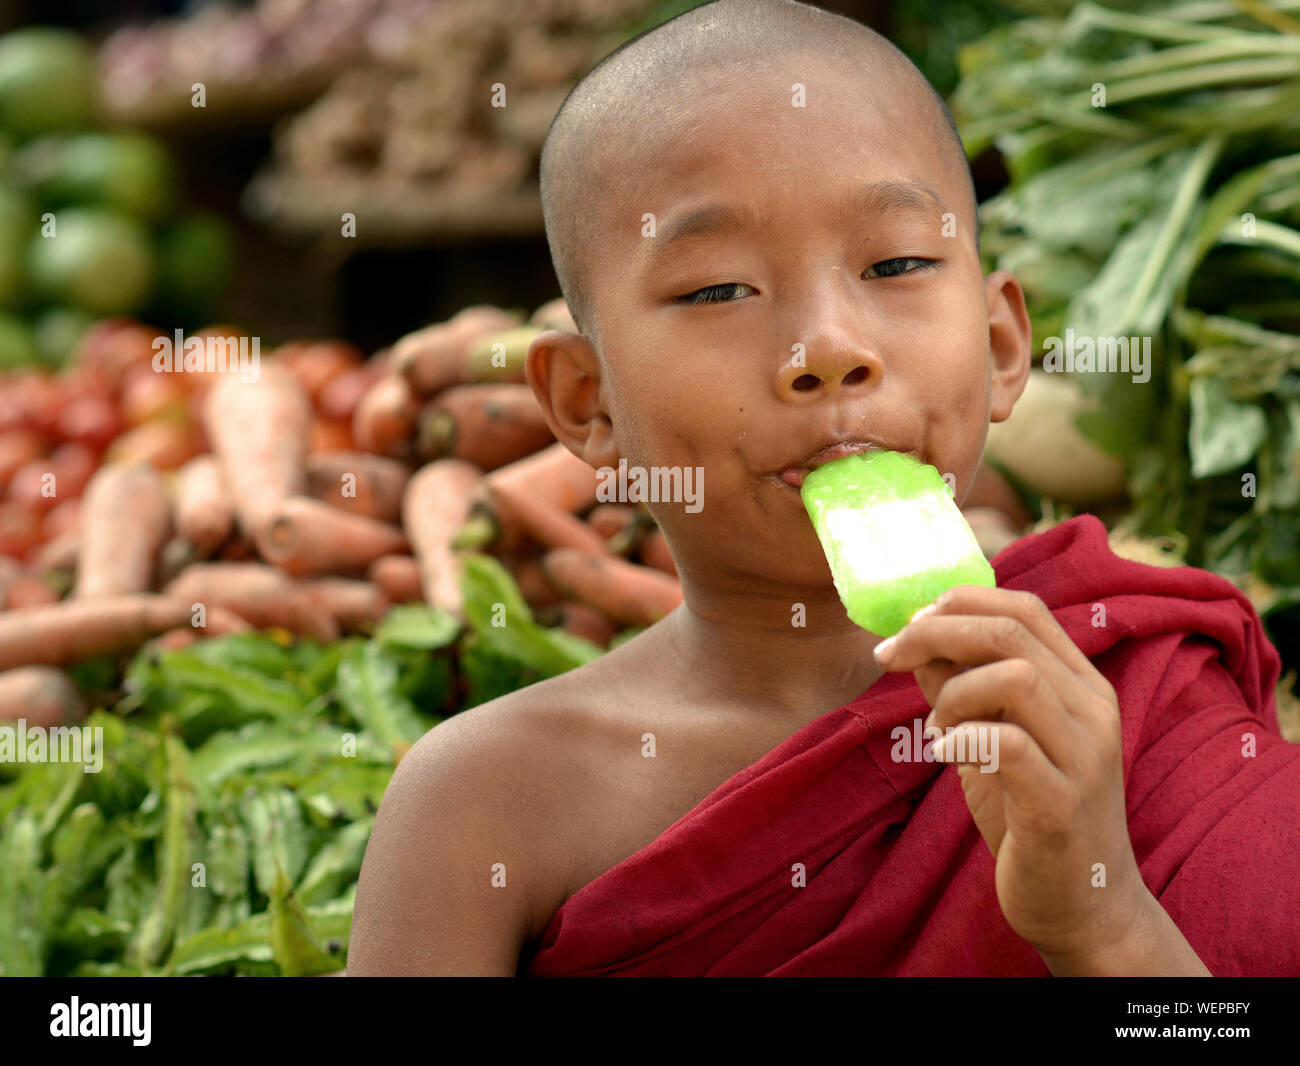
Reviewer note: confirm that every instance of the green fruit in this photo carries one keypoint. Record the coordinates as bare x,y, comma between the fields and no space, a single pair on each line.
57,332
17,348
17,220
47,80
195,257
128,172
98,261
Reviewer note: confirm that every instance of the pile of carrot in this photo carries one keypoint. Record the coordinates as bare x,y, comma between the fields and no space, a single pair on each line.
311,499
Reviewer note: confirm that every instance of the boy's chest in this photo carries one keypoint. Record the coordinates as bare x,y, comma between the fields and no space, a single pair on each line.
641,770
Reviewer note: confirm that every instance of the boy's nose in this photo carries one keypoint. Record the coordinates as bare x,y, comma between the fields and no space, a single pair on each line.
825,369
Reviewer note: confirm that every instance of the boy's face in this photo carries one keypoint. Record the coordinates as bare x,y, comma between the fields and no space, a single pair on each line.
854,310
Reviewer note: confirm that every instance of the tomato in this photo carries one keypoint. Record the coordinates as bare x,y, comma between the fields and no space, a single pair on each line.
114,346
89,420
63,517
339,397
316,363
17,447
29,592
147,394
20,528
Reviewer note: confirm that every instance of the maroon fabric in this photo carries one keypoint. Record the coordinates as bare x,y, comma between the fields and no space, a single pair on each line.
899,881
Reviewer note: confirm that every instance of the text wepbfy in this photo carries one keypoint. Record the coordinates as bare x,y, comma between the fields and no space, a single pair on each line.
83,744
973,743
657,484
102,1019
192,355
1098,355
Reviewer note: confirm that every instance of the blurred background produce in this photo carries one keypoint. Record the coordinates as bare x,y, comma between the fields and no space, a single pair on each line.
327,183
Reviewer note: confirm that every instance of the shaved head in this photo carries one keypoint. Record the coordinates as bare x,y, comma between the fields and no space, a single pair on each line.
614,113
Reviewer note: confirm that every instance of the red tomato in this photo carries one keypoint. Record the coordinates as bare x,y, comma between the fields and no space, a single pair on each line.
36,485
29,592
147,394
18,447
89,420
113,347
316,363
63,517
20,529
74,464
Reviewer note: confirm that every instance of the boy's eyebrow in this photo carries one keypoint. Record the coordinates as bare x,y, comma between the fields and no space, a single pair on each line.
876,197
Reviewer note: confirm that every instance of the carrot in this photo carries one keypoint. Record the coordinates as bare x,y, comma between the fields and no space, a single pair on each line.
353,604
125,518
176,639
358,482
546,524
583,620
238,549
261,595
338,399
398,576
554,314
259,436
607,519
628,593
554,474
438,499
40,695
437,357
655,552
384,421
306,536
162,445
533,583
487,425
29,592
326,435
205,513
316,363
79,629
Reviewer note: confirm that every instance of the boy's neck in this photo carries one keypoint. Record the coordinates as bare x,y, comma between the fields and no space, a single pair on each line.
743,655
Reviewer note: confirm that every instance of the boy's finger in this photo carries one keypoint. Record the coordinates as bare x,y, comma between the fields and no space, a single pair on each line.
1008,691
1030,611
976,640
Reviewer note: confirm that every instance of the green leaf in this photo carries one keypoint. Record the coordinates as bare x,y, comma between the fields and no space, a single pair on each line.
501,620
369,688
1223,435
293,947
417,626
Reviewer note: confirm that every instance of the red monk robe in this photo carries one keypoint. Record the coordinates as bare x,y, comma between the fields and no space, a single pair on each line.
899,880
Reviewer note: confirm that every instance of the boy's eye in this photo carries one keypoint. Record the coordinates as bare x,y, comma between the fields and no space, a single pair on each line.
713,294
892,268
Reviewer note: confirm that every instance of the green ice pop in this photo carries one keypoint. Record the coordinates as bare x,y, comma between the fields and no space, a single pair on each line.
893,536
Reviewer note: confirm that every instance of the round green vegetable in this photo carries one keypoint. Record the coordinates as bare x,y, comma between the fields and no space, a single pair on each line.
47,81
96,260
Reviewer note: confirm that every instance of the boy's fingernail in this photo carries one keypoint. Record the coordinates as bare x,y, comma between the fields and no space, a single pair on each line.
885,649
928,609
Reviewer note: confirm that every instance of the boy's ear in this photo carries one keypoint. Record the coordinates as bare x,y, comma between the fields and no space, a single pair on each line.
564,372
1011,339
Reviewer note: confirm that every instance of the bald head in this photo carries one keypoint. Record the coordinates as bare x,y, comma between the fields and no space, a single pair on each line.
617,109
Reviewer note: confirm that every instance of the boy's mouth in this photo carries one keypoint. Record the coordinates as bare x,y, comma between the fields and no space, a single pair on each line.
794,474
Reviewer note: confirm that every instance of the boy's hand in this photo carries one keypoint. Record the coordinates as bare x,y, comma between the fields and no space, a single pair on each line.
997,659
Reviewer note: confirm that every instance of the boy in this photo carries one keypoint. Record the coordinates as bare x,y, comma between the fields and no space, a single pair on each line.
764,224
